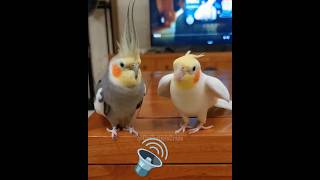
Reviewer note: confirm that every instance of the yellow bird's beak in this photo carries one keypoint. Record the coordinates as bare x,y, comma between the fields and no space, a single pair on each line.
182,73
179,74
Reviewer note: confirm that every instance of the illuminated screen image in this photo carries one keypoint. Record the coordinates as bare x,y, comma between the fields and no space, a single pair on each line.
190,22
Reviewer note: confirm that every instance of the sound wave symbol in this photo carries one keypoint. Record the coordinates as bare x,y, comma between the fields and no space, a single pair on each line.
163,153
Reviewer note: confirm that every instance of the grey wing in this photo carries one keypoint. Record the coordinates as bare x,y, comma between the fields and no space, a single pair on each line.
164,85
144,93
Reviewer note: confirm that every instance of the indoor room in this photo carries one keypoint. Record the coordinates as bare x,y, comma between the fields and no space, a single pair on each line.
160,89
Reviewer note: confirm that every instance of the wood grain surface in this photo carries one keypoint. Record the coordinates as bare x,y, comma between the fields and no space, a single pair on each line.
207,146
183,172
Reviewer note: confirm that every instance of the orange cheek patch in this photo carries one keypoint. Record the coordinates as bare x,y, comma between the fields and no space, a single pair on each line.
116,71
196,77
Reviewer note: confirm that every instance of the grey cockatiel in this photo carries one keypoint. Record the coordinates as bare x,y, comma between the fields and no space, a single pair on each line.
121,90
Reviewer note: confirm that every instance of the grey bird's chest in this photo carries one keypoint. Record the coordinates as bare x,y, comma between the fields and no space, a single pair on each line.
123,101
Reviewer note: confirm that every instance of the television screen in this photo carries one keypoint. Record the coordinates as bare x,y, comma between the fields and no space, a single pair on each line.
190,22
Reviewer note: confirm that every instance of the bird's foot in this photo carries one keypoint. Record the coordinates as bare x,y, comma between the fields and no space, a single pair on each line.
113,132
131,131
182,128
200,126
188,126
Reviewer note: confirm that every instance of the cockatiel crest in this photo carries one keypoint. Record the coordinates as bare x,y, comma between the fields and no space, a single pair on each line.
124,67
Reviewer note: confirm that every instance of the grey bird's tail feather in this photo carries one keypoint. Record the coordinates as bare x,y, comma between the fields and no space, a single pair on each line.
98,85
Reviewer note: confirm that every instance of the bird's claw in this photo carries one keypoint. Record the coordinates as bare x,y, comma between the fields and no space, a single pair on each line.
194,130
182,128
113,132
206,127
131,131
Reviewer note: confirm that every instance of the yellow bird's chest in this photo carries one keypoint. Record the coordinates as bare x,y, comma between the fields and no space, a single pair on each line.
189,100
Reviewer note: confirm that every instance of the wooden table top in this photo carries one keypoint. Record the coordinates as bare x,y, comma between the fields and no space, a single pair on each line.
159,118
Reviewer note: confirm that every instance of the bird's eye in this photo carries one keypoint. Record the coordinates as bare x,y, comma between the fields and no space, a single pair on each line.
121,64
194,68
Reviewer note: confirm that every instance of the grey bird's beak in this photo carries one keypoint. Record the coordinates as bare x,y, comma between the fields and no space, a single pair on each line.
135,69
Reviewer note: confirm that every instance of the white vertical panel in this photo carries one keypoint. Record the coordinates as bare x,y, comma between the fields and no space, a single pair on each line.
98,43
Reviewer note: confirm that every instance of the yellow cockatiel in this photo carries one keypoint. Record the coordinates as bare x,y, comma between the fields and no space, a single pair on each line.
193,92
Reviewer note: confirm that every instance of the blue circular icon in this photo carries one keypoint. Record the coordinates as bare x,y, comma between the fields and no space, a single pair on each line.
190,20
